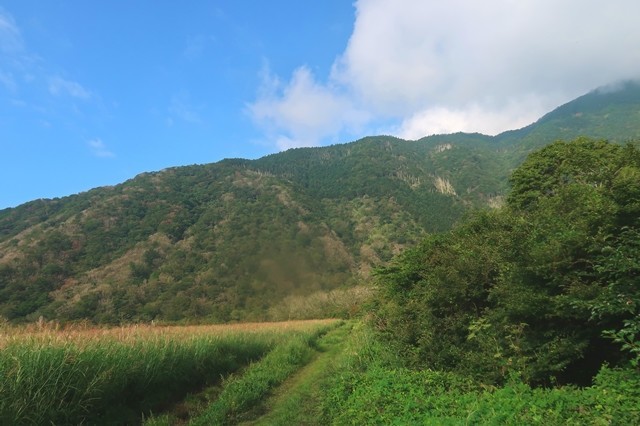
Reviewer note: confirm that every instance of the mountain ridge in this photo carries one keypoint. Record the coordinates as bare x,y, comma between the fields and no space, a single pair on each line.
262,239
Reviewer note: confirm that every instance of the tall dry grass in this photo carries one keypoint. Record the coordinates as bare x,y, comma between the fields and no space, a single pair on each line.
80,375
83,333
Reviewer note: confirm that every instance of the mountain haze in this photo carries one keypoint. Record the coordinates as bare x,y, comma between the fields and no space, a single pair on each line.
292,234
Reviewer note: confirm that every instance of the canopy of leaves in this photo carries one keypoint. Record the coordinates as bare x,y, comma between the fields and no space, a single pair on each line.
546,287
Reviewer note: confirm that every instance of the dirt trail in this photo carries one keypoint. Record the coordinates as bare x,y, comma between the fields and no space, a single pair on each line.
297,400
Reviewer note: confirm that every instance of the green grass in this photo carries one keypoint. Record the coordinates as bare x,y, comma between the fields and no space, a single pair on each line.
297,401
111,382
329,373
241,393
122,376
370,387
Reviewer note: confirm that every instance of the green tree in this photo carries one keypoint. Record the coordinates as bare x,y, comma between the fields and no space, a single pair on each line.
533,288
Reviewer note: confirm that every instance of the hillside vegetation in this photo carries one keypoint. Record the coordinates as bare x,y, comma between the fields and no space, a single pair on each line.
524,314
290,235
528,314
545,288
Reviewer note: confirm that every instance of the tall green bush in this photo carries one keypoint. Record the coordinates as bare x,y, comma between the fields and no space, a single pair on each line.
545,287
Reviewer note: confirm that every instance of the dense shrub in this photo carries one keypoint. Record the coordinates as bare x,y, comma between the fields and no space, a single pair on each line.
546,287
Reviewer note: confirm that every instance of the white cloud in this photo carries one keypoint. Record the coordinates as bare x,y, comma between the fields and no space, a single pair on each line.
463,51
471,118
59,86
10,36
14,56
465,65
302,111
99,149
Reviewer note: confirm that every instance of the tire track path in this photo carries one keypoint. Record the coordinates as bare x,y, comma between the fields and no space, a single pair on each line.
298,400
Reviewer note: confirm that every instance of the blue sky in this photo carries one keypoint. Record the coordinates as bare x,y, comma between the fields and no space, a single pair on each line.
94,92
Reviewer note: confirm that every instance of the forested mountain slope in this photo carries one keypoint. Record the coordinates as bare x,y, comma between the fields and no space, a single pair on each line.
611,112
266,238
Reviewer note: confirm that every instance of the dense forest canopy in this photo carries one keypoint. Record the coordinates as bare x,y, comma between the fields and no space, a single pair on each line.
546,287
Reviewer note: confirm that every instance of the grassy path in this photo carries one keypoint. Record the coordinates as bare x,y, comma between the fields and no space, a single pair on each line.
297,400
233,399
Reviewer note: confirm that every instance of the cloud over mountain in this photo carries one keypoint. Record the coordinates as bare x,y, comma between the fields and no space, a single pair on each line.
414,68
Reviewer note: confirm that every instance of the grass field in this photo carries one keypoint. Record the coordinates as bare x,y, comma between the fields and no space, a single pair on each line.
302,372
87,375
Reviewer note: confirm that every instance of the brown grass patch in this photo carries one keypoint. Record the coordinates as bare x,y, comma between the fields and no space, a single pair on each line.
53,333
